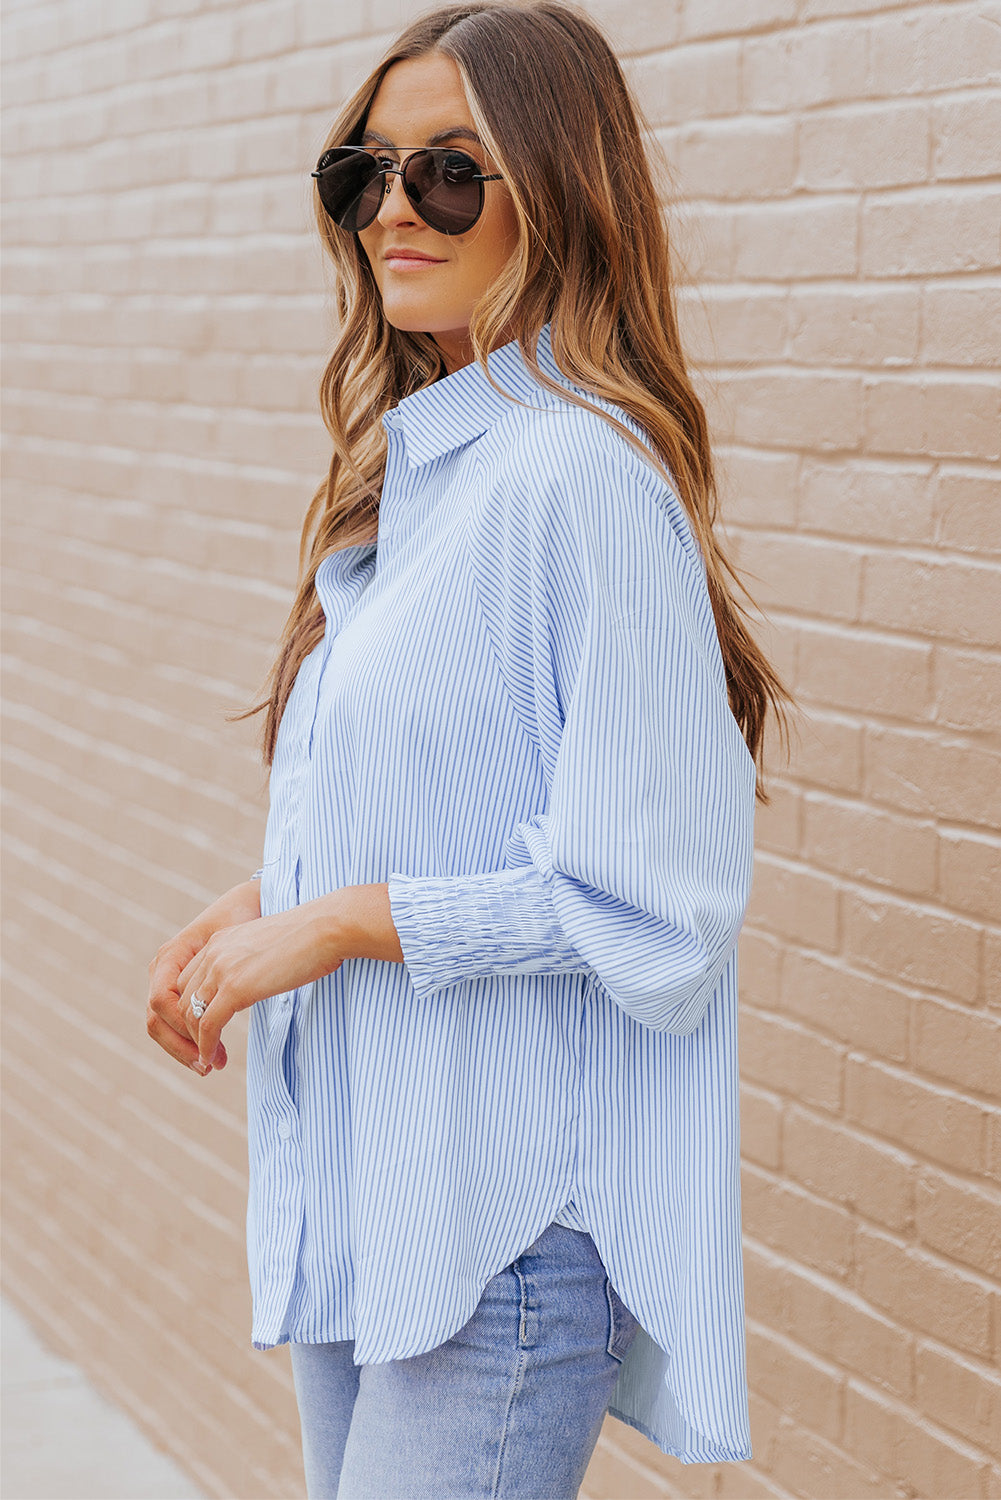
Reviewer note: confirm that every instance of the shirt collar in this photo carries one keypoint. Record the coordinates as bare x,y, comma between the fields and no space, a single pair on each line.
458,408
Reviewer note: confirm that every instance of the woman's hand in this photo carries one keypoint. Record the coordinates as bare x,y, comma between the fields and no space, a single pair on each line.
165,1021
240,965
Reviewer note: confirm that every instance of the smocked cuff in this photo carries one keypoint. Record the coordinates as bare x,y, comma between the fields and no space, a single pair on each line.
453,928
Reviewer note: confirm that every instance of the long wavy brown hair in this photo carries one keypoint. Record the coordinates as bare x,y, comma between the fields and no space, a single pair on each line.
551,106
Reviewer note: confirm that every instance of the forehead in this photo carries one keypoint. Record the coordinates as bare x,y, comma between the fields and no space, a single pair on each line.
419,98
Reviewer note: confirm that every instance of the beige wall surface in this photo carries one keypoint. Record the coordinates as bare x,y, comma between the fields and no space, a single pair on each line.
836,163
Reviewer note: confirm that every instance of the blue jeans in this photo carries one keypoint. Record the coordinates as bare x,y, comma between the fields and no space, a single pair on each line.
508,1409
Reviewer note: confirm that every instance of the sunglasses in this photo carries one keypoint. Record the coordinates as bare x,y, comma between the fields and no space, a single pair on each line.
444,186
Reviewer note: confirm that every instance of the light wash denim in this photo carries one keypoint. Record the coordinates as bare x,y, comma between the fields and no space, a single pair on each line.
508,1409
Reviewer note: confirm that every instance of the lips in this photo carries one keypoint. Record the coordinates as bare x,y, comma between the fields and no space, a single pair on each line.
402,253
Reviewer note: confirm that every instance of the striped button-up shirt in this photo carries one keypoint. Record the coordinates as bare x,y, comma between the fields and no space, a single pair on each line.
518,718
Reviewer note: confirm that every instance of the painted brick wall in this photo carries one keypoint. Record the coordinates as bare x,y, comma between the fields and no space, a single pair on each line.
837,170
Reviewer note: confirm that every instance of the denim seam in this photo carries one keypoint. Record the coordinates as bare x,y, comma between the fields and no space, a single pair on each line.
516,1382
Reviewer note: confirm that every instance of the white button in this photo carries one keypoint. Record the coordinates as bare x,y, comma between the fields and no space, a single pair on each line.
285,1129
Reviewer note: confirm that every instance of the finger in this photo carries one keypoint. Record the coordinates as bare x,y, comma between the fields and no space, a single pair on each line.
179,1047
198,997
195,995
210,1029
163,974
191,968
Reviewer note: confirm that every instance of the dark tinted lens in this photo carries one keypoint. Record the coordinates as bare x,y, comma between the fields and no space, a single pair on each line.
445,189
350,186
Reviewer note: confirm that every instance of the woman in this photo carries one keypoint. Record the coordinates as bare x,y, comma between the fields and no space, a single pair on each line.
490,957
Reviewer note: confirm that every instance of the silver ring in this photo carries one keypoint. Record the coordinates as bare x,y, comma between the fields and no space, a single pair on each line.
197,1007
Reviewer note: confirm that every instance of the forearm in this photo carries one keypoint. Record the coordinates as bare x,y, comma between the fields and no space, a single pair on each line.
362,922
242,903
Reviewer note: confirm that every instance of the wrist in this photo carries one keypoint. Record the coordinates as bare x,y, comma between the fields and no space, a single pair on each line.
239,904
360,923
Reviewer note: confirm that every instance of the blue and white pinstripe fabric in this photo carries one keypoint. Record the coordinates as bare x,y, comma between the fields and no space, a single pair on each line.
518,717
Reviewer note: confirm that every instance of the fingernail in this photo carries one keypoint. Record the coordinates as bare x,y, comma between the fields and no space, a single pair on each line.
200,1068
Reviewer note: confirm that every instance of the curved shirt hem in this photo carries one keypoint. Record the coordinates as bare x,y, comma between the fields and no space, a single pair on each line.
704,1453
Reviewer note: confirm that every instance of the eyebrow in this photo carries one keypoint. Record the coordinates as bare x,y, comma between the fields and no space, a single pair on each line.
457,132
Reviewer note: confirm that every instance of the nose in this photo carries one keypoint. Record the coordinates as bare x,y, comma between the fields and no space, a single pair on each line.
396,207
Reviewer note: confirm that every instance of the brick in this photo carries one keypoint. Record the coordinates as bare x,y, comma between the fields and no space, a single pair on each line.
849,1006
609,1463
960,1221
805,1388
816,1234
829,752
911,944
990,970
968,510
939,776
960,324
863,671
761,1126
802,67
725,326
956,600
930,232
927,49
835,1322
758,489
962,131
690,82
855,839
266,30
924,1117
870,146
740,1482
806,410
883,1432
960,1046
970,873
920,1290
792,572
943,416
854,326
847,1168
967,690
760,965
796,241
717,159
792,901
319,25
777,824
791,1060
706,17
959,1395
823,1471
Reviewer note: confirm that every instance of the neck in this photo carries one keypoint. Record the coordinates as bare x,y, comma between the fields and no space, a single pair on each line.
456,350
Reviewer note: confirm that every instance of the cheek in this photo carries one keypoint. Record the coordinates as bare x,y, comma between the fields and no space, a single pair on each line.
490,253
368,254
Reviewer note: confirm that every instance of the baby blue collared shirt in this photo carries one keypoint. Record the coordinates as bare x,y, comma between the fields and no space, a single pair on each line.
518,718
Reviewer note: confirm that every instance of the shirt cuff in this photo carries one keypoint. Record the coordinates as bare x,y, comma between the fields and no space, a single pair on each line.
453,928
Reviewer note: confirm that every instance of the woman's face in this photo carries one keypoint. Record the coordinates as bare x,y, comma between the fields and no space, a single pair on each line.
431,282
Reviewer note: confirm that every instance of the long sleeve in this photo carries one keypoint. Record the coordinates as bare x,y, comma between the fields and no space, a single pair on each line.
594,595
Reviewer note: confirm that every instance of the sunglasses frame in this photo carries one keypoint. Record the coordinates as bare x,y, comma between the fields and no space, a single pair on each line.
407,154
